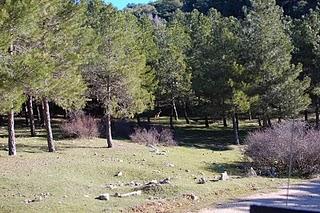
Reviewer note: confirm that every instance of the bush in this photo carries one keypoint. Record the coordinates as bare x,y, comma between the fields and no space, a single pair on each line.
272,148
153,136
80,126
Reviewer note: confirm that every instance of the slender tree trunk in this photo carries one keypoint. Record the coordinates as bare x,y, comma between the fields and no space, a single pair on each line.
269,122
176,116
47,120
1,120
207,122
138,120
11,134
259,122
31,117
109,130
317,113
250,115
235,129
108,117
186,113
148,118
279,119
306,119
224,119
171,119
237,122
39,119
26,115
265,121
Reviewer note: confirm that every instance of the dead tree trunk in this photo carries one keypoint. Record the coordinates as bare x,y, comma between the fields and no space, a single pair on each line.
31,117
235,129
47,120
11,134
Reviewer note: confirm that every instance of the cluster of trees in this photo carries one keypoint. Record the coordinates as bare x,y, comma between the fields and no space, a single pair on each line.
211,58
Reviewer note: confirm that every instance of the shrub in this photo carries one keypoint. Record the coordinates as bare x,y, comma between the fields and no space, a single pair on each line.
80,126
271,149
153,136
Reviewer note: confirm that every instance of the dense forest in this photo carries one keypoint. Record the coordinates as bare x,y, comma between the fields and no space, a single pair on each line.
193,58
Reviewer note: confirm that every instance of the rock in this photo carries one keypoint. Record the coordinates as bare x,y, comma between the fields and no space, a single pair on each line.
111,186
136,193
187,170
165,181
170,165
119,174
95,154
152,182
105,196
202,180
191,196
252,173
65,196
224,176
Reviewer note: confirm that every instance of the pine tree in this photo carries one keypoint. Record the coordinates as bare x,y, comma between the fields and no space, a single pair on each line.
116,71
266,57
16,28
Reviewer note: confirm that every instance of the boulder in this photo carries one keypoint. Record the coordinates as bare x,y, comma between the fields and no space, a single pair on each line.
252,173
224,176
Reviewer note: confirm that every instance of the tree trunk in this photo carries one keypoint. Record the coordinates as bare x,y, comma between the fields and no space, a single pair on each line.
237,122
269,122
31,117
148,118
186,113
108,116
39,117
306,119
235,129
250,115
317,113
259,122
11,134
47,120
138,120
109,130
26,115
207,121
279,119
171,120
176,116
265,121
224,119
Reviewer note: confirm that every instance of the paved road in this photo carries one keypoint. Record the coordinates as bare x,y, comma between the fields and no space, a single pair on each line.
306,195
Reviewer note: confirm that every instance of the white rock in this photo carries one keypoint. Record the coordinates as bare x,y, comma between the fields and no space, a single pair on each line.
104,196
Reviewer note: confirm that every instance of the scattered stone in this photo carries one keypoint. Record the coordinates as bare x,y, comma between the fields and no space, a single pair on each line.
135,193
252,173
202,180
187,170
170,165
134,154
224,176
65,196
86,196
95,154
119,174
165,181
105,196
191,196
111,186
152,182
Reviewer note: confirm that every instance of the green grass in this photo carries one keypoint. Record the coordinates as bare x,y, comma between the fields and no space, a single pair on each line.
81,169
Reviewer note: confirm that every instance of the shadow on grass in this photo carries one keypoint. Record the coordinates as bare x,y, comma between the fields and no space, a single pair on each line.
216,139
237,168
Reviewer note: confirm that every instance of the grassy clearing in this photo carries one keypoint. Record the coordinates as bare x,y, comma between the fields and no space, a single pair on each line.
81,169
